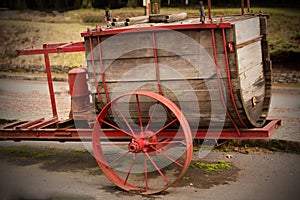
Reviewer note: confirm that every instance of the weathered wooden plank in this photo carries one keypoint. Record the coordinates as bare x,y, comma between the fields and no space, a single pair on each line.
186,107
251,77
175,67
250,56
156,18
138,18
136,22
173,41
127,45
247,29
263,25
176,17
206,41
118,23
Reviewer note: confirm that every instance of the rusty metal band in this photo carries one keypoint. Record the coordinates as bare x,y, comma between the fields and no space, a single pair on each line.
229,79
50,83
156,63
166,27
219,82
46,50
209,9
102,69
157,71
94,69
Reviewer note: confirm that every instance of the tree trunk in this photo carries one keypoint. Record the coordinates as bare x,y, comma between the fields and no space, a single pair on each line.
57,4
19,5
40,4
132,3
77,4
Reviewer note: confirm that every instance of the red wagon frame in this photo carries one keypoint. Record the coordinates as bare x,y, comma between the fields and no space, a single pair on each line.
56,130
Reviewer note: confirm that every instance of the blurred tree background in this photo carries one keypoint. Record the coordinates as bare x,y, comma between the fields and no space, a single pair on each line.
63,5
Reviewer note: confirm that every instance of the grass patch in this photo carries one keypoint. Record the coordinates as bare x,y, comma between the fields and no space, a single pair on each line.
82,151
212,167
7,121
21,34
260,146
49,158
26,152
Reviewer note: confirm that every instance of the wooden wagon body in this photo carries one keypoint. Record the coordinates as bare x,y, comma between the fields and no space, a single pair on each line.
208,70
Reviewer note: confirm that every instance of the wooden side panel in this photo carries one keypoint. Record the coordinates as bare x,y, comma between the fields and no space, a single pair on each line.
122,46
252,81
246,30
185,65
250,56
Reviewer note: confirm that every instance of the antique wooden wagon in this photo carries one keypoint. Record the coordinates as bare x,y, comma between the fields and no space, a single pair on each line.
149,89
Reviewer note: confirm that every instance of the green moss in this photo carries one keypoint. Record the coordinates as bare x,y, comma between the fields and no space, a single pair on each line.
212,167
25,152
83,151
6,121
247,151
196,148
272,144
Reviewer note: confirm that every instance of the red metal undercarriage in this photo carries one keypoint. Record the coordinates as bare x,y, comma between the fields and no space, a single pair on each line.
16,132
47,129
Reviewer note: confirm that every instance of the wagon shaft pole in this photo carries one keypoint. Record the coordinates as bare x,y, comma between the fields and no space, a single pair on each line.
242,7
209,9
70,47
248,6
50,83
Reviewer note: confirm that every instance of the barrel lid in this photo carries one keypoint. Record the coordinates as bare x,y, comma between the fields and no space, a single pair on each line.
78,70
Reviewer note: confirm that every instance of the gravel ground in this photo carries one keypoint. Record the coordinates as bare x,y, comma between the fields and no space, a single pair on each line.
30,99
257,177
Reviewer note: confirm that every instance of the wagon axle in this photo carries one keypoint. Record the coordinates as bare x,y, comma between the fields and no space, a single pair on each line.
144,144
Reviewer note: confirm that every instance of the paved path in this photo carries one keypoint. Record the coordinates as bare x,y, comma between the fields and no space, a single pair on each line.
285,105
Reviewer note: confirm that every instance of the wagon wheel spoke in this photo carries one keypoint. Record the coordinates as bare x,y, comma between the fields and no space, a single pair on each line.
166,126
158,170
117,159
114,144
124,118
145,172
148,162
170,158
166,142
139,112
151,117
115,127
130,168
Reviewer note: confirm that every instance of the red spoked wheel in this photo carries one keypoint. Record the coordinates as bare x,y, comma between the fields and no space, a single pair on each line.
150,146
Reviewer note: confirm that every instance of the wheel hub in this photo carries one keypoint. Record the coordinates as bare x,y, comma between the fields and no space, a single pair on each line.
143,144
136,145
